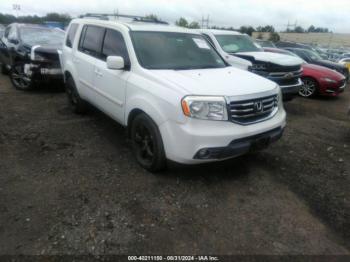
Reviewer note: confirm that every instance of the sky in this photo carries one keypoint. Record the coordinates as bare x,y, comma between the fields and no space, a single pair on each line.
321,13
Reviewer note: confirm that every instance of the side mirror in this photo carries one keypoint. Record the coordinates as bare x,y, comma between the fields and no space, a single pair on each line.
13,41
115,63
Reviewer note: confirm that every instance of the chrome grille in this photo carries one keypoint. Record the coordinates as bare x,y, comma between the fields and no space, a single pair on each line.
251,111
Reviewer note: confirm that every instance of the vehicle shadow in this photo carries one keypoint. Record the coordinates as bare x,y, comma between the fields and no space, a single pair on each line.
234,168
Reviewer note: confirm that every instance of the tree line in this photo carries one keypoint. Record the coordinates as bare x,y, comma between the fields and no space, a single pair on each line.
65,18
34,19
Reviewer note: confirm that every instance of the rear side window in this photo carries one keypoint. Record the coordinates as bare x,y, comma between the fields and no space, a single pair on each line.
91,41
71,35
114,45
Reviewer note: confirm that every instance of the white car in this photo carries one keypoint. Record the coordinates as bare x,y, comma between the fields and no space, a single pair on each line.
175,94
282,69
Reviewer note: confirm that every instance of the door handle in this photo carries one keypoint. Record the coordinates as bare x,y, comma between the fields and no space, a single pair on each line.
98,73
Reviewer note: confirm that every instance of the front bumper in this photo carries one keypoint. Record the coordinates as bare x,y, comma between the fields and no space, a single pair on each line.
290,91
42,73
332,89
241,146
182,142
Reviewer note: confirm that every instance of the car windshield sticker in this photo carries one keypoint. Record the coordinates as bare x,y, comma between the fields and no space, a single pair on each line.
201,43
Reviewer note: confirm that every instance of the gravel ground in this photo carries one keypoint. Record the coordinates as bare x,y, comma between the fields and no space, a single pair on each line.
70,185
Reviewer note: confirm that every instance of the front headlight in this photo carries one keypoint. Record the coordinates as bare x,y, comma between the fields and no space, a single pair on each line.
205,107
329,80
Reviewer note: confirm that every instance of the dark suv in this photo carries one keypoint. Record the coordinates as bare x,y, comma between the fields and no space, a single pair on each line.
29,53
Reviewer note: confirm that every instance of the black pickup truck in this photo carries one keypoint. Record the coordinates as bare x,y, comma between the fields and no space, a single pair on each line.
29,53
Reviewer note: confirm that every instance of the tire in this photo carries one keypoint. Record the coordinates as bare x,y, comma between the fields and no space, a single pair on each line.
4,70
309,88
18,79
76,103
147,143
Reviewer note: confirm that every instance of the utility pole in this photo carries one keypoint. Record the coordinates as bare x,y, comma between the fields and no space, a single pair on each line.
205,22
17,8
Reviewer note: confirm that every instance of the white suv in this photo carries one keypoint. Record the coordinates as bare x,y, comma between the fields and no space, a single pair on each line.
175,94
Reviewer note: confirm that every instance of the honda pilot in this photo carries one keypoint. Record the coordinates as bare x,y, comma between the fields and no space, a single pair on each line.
175,94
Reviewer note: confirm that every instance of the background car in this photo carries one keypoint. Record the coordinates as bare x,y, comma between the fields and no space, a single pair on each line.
312,57
265,43
346,62
283,70
30,54
317,79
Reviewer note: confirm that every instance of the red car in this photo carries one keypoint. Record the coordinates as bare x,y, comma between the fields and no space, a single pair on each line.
317,79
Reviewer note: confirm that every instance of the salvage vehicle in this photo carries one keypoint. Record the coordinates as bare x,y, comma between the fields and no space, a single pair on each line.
265,43
2,30
318,80
313,58
29,53
175,94
283,70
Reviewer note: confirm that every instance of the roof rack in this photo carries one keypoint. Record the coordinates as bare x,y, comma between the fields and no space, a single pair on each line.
117,15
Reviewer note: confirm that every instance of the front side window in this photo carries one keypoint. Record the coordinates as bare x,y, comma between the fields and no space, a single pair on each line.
71,35
91,42
177,51
41,36
114,45
237,43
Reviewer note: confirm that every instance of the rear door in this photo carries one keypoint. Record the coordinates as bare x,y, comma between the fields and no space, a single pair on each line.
111,84
89,50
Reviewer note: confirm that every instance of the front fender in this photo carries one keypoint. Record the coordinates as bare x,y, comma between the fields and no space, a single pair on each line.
148,105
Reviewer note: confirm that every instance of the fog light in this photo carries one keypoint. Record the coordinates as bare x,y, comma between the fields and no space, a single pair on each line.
203,153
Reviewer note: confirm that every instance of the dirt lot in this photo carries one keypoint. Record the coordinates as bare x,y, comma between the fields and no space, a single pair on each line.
69,185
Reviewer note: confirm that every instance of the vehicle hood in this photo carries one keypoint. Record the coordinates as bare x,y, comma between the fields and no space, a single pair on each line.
268,57
321,71
227,81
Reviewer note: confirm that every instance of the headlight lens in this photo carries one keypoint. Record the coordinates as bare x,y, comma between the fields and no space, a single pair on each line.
205,107
329,80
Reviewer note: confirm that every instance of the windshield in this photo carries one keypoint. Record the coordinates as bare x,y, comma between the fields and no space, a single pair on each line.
266,44
41,36
313,55
237,43
179,51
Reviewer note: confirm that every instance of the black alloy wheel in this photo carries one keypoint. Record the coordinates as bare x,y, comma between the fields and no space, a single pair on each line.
19,79
76,103
147,143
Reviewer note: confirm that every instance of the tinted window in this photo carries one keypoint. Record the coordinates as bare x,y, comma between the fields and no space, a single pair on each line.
7,32
114,45
12,33
92,42
179,51
71,35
